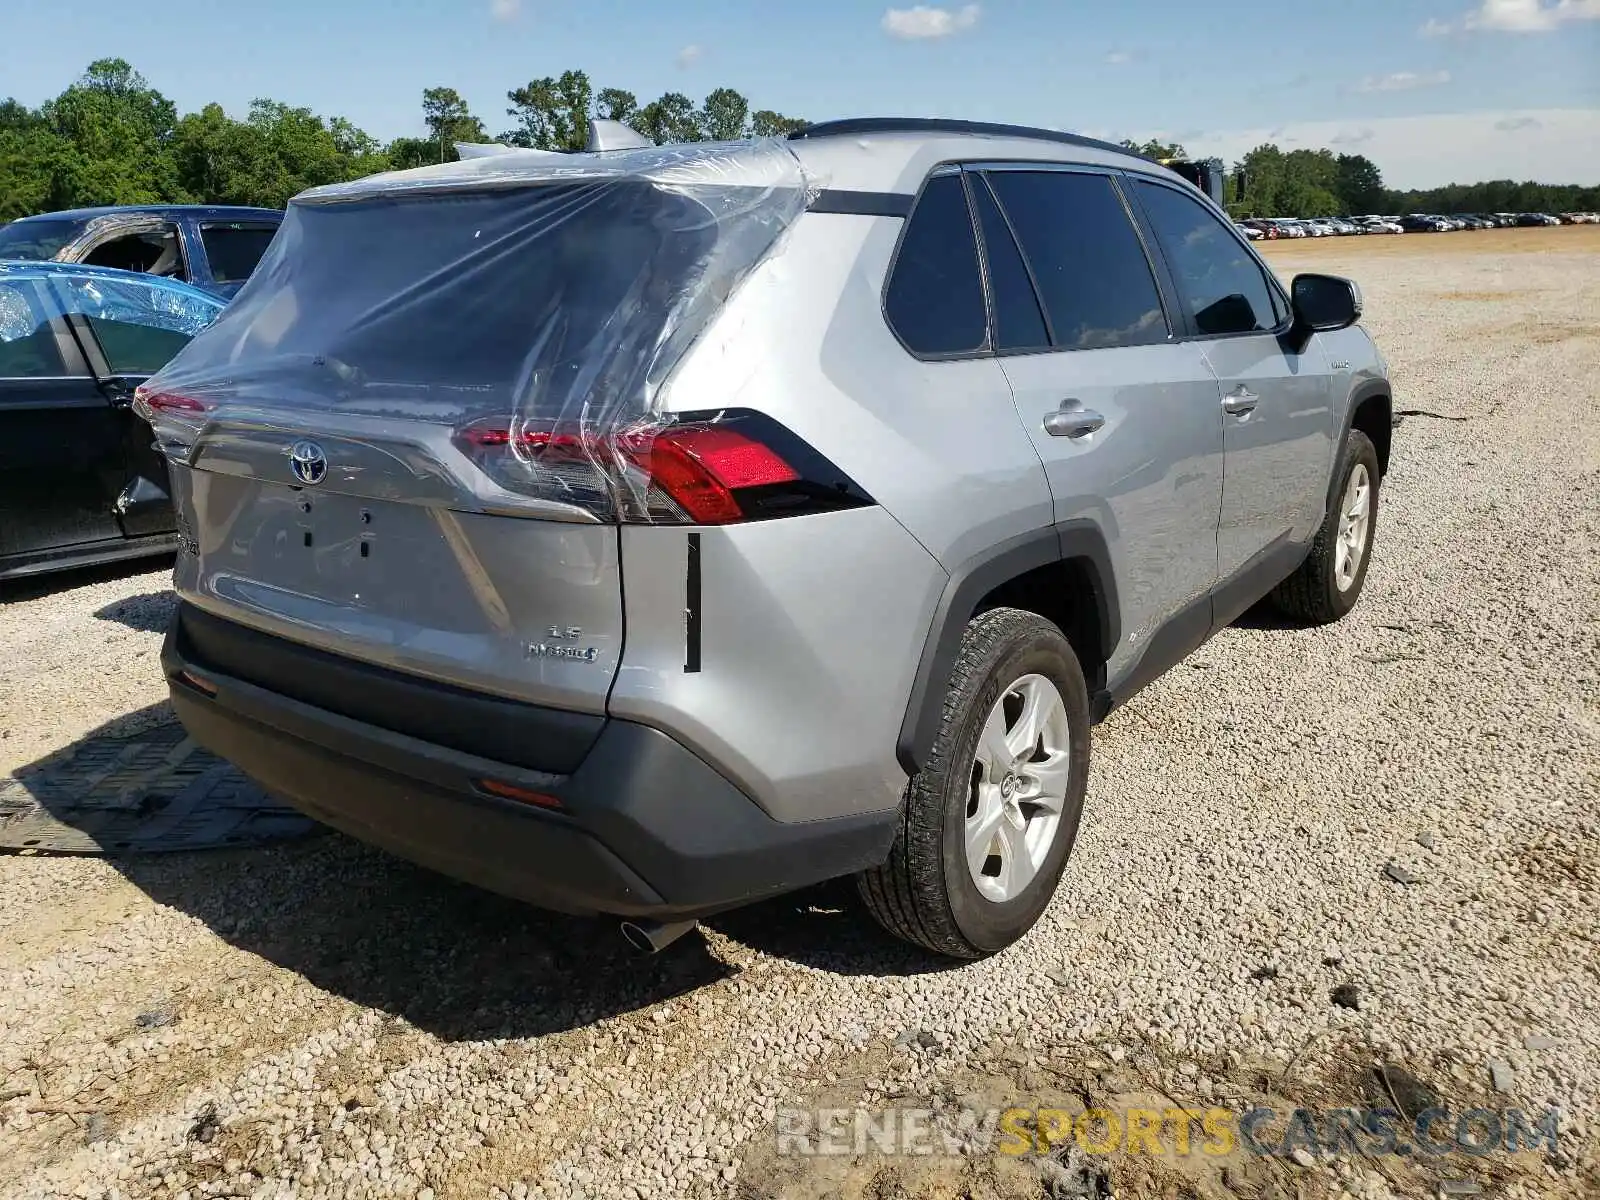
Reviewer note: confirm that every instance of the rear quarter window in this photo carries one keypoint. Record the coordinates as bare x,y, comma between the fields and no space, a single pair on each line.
934,301
234,250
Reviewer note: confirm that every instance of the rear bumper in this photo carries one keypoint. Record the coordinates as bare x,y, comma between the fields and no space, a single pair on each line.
644,828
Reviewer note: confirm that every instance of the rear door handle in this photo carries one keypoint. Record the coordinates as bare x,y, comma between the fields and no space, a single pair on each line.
1072,422
1240,401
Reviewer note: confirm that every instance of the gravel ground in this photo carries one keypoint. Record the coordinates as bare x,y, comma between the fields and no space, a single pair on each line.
319,1020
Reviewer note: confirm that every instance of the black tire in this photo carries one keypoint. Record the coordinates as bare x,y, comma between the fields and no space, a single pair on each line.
925,892
1312,594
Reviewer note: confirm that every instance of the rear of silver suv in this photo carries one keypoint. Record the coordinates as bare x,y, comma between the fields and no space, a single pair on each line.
649,532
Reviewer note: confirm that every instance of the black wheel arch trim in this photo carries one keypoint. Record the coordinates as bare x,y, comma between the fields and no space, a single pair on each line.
975,579
1371,389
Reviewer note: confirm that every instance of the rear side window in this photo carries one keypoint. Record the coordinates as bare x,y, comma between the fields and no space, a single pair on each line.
1086,256
234,250
1222,287
151,252
1019,325
139,324
28,348
935,296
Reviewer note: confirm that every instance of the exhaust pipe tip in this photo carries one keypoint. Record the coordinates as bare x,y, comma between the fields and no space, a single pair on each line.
652,937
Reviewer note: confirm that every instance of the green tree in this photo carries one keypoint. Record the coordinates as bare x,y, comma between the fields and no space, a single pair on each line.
217,158
552,114
449,120
1359,184
32,172
117,132
407,152
725,116
1155,149
766,123
614,104
669,120
16,117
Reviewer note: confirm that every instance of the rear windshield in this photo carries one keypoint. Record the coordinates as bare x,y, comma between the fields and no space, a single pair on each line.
36,241
536,300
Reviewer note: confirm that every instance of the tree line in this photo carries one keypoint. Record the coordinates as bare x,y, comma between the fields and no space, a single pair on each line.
111,138
1269,182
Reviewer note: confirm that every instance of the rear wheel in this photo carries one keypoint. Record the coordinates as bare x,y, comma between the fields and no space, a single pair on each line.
1328,583
992,815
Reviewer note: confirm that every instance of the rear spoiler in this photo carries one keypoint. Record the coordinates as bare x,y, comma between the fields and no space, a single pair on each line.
603,135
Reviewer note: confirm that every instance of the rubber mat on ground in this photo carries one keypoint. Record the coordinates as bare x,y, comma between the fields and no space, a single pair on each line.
151,792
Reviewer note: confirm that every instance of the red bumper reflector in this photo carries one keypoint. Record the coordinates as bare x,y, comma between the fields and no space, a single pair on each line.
204,686
510,791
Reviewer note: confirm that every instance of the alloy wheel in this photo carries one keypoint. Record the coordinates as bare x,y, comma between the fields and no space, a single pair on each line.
1020,776
1355,518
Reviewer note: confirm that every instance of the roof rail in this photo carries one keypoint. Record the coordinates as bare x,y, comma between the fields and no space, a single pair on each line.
860,126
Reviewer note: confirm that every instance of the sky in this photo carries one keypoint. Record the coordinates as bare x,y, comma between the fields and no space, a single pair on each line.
1434,91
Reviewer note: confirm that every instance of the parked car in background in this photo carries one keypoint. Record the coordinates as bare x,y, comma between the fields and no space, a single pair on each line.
1320,228
80,479
1422,223
1250,231
1527,220
1377,225
213,247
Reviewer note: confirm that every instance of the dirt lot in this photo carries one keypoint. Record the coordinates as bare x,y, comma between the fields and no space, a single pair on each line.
315,1019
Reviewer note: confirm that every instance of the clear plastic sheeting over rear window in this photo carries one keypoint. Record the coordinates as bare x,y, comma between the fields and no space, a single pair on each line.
533,305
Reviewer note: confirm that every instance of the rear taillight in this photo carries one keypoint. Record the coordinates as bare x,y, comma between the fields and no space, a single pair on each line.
147,403
701,469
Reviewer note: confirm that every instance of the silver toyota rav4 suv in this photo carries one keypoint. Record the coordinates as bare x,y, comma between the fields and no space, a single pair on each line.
648,531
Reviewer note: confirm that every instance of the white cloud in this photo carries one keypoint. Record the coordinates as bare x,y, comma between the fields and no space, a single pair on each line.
1516,16
689,55
1403,81
1556,145
1351,137
505,10
924,21
1530,16
1119,58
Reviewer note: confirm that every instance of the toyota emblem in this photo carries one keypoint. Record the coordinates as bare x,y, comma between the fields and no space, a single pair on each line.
307,462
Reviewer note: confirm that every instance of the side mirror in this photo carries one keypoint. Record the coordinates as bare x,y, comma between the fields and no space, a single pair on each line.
1323,303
